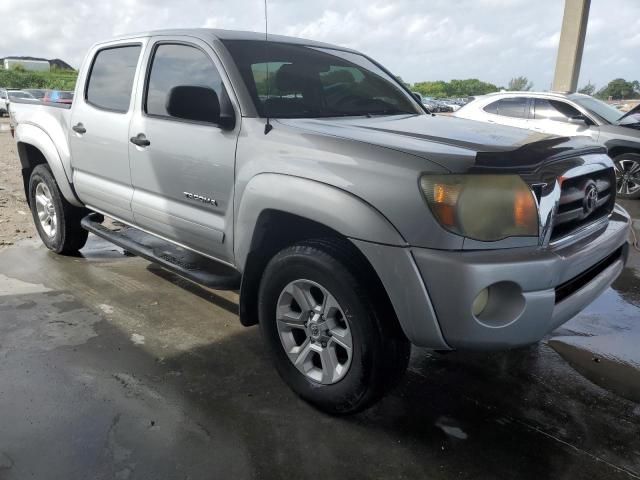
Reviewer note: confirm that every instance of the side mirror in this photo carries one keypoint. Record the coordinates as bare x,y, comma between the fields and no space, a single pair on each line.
580,120
199,104
418,97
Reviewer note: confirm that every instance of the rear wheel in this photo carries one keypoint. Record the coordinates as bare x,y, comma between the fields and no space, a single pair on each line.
333,340
57,221
627,167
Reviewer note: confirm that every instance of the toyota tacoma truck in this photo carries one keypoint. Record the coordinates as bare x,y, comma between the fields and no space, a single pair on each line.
306,176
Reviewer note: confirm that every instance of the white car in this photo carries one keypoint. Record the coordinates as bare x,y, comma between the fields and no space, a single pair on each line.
569,115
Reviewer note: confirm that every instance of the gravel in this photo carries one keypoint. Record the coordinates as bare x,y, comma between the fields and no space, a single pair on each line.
16,222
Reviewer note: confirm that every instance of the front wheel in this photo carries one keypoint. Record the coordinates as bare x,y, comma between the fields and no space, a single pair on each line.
333,340
627,167
57,221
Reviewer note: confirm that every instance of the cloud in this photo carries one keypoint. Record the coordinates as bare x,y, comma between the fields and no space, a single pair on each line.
551,41
417,39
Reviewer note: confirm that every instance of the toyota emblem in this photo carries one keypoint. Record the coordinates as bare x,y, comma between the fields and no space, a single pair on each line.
590,199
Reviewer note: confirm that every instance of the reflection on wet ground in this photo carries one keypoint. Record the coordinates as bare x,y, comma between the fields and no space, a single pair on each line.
602,342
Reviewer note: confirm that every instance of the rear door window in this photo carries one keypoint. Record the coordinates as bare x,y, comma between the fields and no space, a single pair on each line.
111,78
516,107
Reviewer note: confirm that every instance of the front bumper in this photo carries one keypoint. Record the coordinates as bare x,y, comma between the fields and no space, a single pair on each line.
534,290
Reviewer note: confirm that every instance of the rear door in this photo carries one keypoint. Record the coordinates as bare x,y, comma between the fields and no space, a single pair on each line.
184,177
100,119
512,111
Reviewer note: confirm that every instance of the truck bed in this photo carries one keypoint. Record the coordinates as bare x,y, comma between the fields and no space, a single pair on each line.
45,115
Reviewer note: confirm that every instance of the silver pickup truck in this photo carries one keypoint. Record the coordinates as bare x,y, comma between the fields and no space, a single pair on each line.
304,175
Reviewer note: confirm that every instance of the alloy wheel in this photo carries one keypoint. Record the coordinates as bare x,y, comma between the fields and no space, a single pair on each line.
314,331
46,210
627,176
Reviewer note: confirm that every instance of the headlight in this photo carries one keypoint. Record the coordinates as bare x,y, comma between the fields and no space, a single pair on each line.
482,207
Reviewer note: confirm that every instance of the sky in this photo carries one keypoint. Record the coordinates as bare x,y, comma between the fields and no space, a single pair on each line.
493,40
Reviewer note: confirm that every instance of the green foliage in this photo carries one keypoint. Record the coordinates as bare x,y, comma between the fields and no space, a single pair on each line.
454,88
620,89
520,84
588,89
55,80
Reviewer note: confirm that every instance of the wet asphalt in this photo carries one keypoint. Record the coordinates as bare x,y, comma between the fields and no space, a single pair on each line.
111,368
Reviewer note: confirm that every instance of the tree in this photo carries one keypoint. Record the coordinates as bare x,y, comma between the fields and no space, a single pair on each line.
588,89
620,89
454,88
520,84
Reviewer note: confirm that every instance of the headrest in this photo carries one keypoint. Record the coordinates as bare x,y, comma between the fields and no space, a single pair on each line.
293,77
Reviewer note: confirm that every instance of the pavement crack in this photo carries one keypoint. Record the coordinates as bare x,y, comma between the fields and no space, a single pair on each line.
578,449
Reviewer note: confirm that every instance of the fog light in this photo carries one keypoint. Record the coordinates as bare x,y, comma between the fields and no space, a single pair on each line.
480,302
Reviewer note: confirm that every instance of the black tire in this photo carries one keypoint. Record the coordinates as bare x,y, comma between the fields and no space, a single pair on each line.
624,163
69,236
380,353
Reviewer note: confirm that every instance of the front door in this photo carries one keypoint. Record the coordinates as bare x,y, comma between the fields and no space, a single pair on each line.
98,140
559,118
183,173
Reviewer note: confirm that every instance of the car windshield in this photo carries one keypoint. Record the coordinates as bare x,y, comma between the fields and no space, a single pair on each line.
297,81
604,111
36,93
20,95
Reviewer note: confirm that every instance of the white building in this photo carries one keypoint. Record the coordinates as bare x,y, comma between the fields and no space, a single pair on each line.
33,65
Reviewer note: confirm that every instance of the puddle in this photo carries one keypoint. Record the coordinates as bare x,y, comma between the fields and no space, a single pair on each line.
611,361
602,342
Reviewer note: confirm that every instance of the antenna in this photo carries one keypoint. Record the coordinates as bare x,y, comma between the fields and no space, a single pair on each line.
267,127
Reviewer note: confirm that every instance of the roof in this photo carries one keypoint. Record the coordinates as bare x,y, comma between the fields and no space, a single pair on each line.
532,94
210,34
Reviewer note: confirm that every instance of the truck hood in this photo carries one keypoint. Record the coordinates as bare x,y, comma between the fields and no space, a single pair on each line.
456,144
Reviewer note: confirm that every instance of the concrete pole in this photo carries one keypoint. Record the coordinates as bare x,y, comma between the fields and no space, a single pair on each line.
574,29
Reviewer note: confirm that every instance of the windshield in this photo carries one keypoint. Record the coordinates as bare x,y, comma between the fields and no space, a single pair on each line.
604,111
296,81
36,93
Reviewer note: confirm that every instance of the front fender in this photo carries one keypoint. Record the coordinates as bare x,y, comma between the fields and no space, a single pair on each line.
27,134
322,203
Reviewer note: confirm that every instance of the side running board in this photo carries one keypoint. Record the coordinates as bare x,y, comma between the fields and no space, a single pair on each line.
187,264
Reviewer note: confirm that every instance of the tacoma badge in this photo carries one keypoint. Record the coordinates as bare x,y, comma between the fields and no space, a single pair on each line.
201,198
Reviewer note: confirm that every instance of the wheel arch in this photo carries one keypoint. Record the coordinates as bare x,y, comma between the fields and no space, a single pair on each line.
616,148
270,218
35,147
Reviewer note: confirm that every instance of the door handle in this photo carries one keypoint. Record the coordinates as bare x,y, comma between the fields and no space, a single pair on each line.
140,140
79,128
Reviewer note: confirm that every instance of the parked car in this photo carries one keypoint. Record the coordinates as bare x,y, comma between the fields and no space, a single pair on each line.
38,93
4,102
352,222
58,96
431,105
6,95
454,105
444,106
570,115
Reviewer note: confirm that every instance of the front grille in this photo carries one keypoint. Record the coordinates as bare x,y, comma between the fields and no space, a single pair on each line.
576,283
573,212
